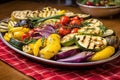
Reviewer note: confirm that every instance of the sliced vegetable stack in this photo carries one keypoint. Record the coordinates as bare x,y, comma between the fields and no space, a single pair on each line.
59,35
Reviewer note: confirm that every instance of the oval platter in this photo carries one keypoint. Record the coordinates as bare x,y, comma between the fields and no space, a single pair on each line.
58,63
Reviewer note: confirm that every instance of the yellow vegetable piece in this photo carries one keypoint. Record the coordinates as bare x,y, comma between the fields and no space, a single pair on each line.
15,29
18,35
28,48
7,36
61,12
37,46
25,30
103,54
52,48
53,38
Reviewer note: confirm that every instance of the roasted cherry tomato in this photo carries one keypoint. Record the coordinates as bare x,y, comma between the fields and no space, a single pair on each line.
64,19
24,36
81,19
74,30
75,18
64,31
75,22
57,25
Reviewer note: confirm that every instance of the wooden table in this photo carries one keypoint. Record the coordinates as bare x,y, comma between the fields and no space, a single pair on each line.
7,72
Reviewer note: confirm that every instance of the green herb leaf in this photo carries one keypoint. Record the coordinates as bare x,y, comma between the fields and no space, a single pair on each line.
85,24
28,41
103,28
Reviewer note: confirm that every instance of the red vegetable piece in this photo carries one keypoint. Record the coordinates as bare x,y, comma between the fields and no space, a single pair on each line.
74,30
24,36
64,31
75,22
64,20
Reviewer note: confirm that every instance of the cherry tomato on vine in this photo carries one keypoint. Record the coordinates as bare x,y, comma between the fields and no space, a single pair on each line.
63,31
64,19
74,30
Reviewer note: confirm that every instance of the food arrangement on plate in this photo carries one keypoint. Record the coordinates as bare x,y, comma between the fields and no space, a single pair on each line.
59,35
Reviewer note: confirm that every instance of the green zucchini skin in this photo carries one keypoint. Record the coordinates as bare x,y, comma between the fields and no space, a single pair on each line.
68,40
17,44
90,43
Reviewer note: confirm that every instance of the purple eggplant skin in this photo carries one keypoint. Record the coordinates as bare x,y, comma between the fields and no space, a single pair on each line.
45,31
66,54
77,58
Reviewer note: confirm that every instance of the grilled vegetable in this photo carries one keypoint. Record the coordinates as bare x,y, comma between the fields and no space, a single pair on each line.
3,26
103,54
68,40
48,11
18,35
11,24
91,31
23,29
40,43
113,41
16,43
69,48
52,48
25,14
93,22
21,15
53,38
28,48
51,21
36,21
71,14
66,54
7,36
108,32
88,42
79,57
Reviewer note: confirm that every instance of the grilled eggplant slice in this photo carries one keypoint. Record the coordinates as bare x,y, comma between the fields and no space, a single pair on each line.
89,42
79,57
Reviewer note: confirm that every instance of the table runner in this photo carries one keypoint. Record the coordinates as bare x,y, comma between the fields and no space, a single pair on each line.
107,71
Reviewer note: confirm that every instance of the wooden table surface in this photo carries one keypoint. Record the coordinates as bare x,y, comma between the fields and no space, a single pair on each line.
9,73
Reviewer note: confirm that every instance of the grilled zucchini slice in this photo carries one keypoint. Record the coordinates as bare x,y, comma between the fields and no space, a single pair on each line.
68,40
93,22
91,31
89,42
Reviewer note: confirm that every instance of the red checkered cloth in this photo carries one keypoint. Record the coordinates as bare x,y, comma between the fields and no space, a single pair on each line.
108,71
